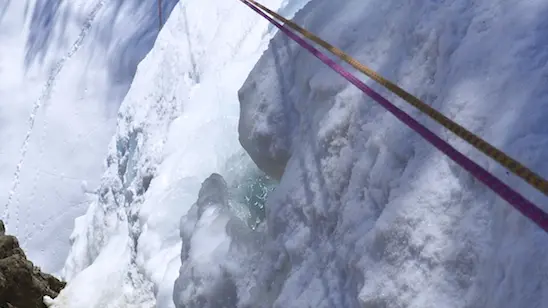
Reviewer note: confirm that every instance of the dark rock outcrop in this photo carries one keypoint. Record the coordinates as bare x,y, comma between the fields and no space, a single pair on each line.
22,285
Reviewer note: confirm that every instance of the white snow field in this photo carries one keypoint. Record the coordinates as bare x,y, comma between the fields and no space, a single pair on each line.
65,67
366,214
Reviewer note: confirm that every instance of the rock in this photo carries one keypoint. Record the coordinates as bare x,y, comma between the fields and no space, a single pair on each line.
22,285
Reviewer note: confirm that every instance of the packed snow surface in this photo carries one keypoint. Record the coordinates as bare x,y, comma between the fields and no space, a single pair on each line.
65,67
366,213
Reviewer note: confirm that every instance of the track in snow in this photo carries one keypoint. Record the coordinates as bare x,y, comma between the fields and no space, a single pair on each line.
44,97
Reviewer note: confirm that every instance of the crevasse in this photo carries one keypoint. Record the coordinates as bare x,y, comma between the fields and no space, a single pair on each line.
366,214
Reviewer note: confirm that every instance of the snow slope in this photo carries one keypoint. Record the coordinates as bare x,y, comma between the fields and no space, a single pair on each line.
65,67
366,213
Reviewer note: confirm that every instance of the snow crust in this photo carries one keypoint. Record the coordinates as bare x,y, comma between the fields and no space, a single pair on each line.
366,214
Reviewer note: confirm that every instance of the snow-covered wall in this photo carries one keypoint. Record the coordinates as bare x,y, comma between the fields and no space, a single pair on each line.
367,214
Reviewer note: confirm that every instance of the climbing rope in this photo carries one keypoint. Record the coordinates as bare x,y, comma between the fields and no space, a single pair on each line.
503,159
524,206
160,15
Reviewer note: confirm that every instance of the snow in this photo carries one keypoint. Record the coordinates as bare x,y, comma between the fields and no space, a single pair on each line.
366,213
65,67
